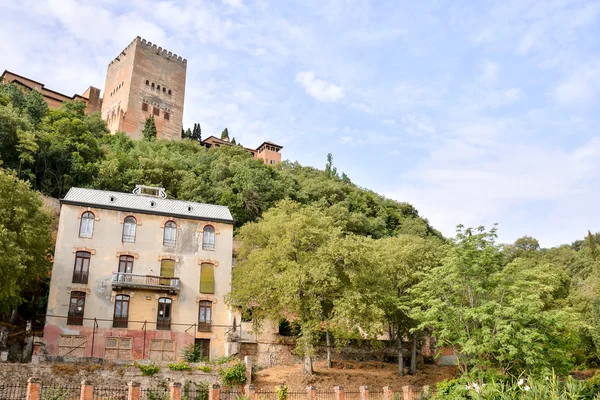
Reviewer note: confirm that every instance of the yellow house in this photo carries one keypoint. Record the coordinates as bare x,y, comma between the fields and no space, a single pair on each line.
139,276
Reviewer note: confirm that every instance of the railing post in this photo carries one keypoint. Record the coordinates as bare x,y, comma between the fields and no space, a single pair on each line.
339,393
405,392
311,393
388,394
364,393
175,391
248,365
214,392
133,391
251,392
87,391
33,389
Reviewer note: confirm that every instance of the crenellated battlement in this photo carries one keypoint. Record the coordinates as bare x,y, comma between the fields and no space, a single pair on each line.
159,51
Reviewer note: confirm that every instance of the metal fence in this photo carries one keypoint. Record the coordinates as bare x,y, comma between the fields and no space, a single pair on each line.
110,393
13,392
159,393
230,394
60,393
297,395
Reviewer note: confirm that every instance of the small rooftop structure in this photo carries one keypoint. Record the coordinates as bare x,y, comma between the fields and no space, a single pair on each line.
143,201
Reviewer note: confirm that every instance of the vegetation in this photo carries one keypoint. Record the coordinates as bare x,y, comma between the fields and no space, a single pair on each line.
233,375
205,368
180,366
148,369
149,132
193,353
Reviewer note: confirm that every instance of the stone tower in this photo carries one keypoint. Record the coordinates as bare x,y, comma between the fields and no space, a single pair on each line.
145,80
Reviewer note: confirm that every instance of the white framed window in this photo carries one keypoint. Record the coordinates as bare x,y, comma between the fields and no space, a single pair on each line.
129,227
86,226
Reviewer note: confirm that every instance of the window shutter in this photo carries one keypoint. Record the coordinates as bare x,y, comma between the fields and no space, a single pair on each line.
167,268
207,278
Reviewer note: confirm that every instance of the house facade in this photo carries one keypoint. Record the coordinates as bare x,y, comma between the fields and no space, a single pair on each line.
268,152
139,276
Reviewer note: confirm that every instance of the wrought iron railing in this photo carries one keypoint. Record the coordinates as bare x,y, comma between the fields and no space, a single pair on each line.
163,323
204,326
120,322
146,281
169,242
208,246
80,277
75,318
129,238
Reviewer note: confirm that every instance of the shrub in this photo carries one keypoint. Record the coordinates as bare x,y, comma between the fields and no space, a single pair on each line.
282,392
193,353
234,375
157,395
149,369
201,392
205,368
223,360
55,394
181,366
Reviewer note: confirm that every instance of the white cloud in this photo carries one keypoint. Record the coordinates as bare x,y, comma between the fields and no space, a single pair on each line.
234,3
318,88
581,87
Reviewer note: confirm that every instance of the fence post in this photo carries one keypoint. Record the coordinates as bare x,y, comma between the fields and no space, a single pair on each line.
426,390
406,392
87,391
248,365
387,393
364,393
133,391
339,393
33,389
214,392
251,392
174,391
311,393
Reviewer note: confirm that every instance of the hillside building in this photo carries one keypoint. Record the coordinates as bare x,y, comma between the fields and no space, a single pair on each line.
139,276
268,152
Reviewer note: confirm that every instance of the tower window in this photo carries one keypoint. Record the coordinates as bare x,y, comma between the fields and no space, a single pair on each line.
169,91
152,85
144,106
164,90
166,115
147,82
158,87
156,111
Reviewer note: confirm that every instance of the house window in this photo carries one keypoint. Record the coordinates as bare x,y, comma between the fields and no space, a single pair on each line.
72,345
118,348
204,316
86,226
208,238
129,226
156,111
157,87
167,116
163,317
170,234
76,308
144,106
162,350
167,270
207,278
121,314
125,264
81,267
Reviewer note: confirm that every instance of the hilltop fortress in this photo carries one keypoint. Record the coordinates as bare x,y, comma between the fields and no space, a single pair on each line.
143,80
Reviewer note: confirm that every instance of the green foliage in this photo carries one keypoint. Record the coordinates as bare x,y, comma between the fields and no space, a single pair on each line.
149,131
148,369
157,395
205,368
287,328
25,240
224,360
180,366
54,393
282,392
225,134
234,375
200,392
193,353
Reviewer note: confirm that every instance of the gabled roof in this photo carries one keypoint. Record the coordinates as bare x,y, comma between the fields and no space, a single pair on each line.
147,205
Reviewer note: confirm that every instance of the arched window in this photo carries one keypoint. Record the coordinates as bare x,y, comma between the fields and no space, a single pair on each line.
170,234
86,226
152,85
147,82
169,91
208,238
204,316
163,317
125,264
157,87
129,226
164,90
81,267
121,314
76,308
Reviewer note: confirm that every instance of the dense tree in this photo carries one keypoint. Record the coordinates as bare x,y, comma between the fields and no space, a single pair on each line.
233,141
225,134
197,132
25,240
149,131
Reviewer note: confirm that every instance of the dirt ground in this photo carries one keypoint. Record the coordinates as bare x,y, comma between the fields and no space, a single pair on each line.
350,375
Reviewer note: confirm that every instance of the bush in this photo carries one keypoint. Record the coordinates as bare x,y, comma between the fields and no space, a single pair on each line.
148,370
201,392
205,368
224,360
282,392
193,353
181,366
234,375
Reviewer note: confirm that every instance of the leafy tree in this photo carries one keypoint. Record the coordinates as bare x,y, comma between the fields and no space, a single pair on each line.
233,141
11,123
330,170
149,131
35,106
591,246
197,132
25,240
225,134
183,135
494,314
188,134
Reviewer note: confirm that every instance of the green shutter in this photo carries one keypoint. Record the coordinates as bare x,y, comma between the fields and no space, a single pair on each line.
167,268
207,278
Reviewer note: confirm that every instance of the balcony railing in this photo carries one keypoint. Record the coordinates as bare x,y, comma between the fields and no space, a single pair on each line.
169,242
163,323
129,238
75,319
80,277
204,326
151,282
120,322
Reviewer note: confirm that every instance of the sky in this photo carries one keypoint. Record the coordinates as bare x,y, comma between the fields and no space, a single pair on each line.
475,112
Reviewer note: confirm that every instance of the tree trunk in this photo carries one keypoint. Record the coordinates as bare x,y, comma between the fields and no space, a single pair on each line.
308,365
328,339
400,356
413,356
13,316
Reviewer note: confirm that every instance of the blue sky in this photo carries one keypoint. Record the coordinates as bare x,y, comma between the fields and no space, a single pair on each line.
474,112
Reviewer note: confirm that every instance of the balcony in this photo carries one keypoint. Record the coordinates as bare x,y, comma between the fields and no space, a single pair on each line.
163,323
120,322
149,282
80,277
204,326
74,318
